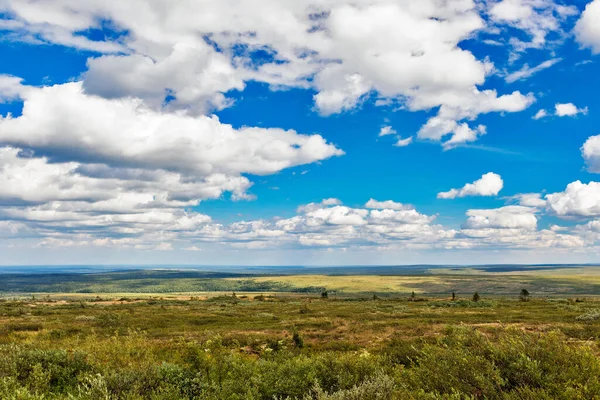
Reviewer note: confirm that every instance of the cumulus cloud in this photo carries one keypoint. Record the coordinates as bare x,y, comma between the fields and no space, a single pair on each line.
489,184
400,228
126,133
403,52
315,206
469,106
568,110
83,170
201,79
579,200
388,204
591,153
124,157
315,226
587,29
562,110
11,88
537,18
30,179
513,217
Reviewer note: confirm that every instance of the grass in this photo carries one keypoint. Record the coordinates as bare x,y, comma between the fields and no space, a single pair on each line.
355,283
541,281
120,341
368,340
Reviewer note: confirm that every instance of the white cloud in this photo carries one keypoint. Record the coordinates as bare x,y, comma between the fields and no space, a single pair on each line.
526,71
489,184
336,215
400,142
537,18
540,114
469,106
404,52
404,142
562,110
201,79
587,29
387,130
100,188
339,91
579,200
122,158
388,204
529,200
509,217
82,170
315,206
568,110
124,132
384,229
320,226
11,88
591,153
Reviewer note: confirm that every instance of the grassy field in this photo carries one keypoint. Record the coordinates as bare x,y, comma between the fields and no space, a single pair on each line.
540,281
296,346
368,339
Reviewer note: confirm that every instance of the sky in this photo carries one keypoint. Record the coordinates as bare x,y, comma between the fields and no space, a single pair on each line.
299,132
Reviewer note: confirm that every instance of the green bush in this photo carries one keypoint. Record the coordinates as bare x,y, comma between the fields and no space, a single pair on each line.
378,387
54,371
460,363
592,315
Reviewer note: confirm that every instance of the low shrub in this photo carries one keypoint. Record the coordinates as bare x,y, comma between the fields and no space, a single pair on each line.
592,315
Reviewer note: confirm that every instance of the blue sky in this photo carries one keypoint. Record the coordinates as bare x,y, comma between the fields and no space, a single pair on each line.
334,132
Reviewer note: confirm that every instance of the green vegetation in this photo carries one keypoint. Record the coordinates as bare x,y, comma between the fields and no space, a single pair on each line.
195,335
143,282
275,347
540,282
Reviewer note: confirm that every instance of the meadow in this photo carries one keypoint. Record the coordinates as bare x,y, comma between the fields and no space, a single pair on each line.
337,337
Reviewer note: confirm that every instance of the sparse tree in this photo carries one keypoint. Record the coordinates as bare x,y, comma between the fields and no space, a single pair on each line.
413,296
297,339
524,295
476,297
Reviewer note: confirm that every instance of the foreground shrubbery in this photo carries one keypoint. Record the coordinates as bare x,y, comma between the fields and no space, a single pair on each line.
460,364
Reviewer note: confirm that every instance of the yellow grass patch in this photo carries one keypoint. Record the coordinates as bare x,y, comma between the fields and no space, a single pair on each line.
356,283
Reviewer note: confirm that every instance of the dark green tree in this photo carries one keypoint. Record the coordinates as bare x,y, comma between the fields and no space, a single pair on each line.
297,339
524,295
324,294
453,296
476,297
